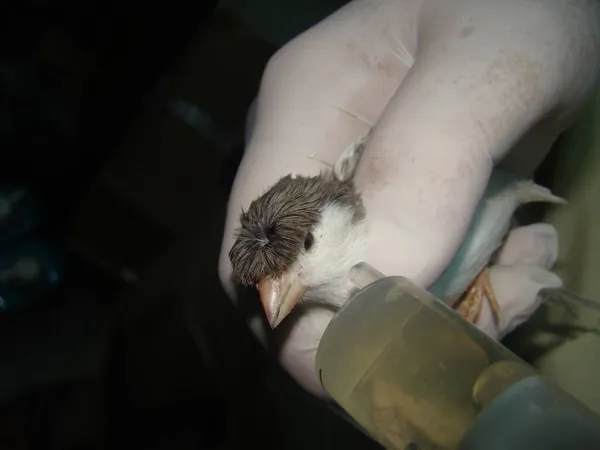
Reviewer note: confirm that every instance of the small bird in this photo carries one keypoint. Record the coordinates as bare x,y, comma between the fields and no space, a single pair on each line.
299,240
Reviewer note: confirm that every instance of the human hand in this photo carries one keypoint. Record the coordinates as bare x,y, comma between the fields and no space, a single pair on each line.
451,88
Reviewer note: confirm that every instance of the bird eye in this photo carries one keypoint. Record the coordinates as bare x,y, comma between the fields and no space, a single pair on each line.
309,241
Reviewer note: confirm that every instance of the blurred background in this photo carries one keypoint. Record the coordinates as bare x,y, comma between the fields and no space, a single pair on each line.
121,128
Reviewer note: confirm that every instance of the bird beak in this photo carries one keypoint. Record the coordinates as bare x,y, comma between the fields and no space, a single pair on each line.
279,296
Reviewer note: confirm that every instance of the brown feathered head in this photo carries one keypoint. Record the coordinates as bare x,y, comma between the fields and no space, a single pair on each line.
300,238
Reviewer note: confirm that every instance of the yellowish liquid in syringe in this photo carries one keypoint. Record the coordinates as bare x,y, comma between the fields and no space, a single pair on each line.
416,377
411,395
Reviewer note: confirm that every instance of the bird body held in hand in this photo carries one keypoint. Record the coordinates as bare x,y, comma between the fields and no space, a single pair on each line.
299,240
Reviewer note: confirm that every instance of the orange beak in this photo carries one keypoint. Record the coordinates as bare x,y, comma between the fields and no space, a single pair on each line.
279,296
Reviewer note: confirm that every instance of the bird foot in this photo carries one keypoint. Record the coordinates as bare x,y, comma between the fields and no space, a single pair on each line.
472,302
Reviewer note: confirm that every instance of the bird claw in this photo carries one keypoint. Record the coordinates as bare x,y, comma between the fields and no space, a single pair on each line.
471,304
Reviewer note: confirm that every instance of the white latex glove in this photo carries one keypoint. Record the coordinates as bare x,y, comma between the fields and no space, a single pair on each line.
451,87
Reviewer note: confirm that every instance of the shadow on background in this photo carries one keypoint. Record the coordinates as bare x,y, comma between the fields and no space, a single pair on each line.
123,123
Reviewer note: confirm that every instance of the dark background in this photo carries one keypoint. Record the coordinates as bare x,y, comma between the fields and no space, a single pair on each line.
126,119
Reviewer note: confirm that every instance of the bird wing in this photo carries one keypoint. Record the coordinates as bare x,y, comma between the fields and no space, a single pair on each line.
345,167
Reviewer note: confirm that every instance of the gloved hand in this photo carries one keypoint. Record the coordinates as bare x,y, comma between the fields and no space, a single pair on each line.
451,89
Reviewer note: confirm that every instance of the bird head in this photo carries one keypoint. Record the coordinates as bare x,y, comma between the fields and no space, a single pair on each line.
299,240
